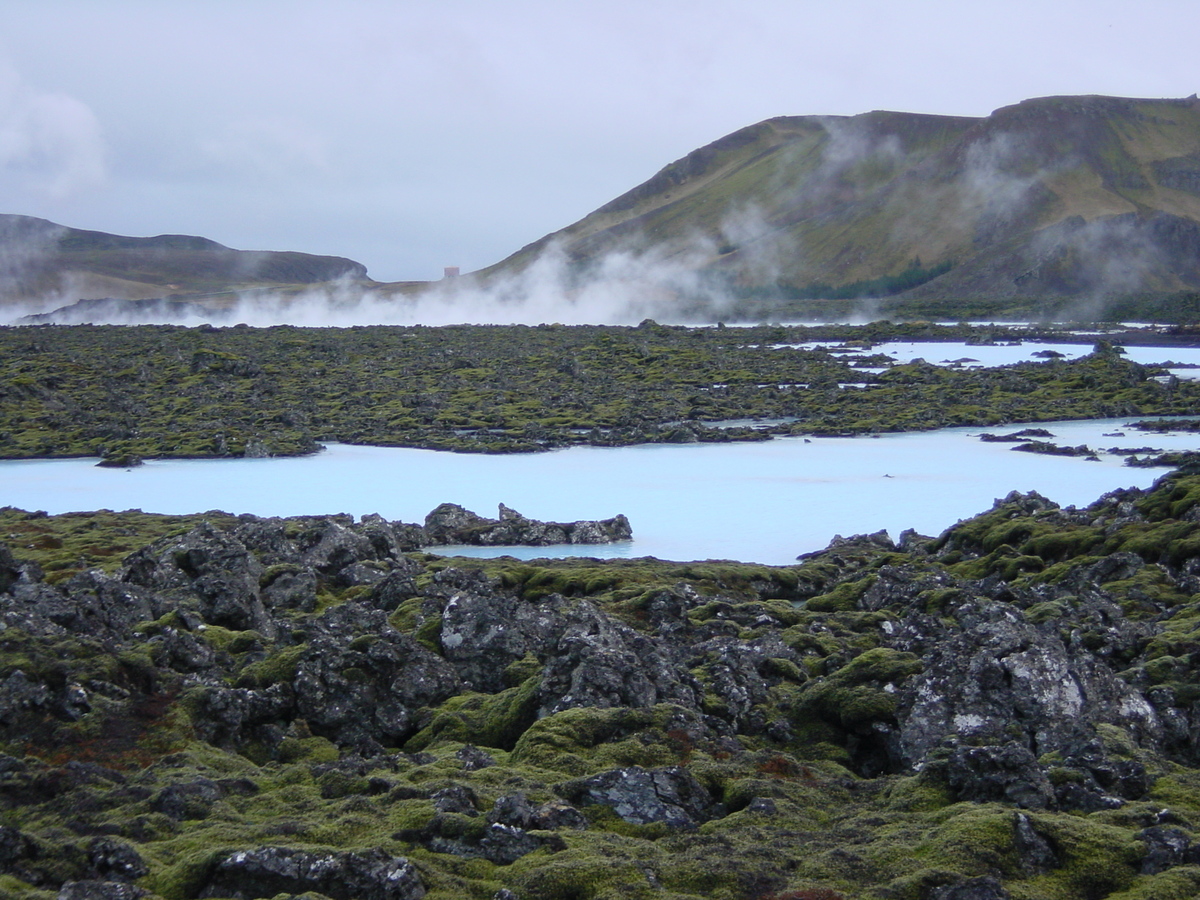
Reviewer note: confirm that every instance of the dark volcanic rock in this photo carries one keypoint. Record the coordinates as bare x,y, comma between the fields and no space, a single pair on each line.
1165,849
1034,851
9,570
100,890
191,800
670,795
211,566
484,631
1009,773
115,860
517,811
397,586
601,662
329,546
360,681
452,524
1003,673
985,888
267,871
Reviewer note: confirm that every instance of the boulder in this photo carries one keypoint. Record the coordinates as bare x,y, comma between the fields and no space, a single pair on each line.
485,631
517,811
100,890
670,795
360,681
1001,673
985,888
601,662
10,571
1035,852
1166,848
450,523
330,546
211,566
1008,773
189,800
115,860
268,871
396,586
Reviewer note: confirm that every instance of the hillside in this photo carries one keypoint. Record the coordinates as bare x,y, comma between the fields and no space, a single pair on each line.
45,264
1054,200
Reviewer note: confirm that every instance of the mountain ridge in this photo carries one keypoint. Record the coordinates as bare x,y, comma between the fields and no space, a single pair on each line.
40,259
1061,197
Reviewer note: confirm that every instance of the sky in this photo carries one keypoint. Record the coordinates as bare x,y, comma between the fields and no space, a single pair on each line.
413,135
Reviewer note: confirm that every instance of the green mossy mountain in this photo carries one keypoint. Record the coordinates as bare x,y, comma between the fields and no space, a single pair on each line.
39,258
1048,201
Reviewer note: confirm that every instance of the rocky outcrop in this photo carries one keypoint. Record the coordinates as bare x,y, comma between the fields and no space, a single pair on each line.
640,796
452,524
268,871
1023,686
1001,676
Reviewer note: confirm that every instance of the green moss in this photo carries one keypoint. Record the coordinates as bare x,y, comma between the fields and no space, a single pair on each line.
843,598
279,667
491,720
858,693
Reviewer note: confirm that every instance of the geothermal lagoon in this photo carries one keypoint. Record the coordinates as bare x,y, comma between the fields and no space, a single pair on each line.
755,502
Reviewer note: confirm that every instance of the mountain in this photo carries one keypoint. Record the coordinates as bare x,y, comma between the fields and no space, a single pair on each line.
44,263
1053,200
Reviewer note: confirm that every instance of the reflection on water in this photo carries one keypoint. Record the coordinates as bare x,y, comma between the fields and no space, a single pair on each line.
763,502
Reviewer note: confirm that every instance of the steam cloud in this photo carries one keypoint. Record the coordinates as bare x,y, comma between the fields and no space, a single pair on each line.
623,287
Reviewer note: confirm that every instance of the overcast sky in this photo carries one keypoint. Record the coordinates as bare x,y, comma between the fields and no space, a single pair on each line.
413,135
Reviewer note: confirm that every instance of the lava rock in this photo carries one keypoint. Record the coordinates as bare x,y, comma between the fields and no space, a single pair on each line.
115,860
670,795
100,890
1000,671
517,811
985,888
485,631
191,800
360,681
1166,848
1035,853
210,565
456,799
1008,772
473,758
601,662
267,871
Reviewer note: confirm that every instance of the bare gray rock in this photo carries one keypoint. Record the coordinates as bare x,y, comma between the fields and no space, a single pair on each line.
268,871
450,523
115,860
670,795
100,890
1008,773
1001,672
211,566
360,681
601,662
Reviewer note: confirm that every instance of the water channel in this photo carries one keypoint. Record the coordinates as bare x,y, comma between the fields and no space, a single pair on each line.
762,502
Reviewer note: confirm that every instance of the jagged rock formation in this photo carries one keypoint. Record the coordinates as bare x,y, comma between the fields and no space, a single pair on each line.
1007,710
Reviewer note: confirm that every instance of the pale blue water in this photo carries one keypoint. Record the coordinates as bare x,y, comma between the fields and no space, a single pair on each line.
762,502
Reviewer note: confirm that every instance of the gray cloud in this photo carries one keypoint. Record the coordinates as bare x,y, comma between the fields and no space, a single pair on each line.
50,143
